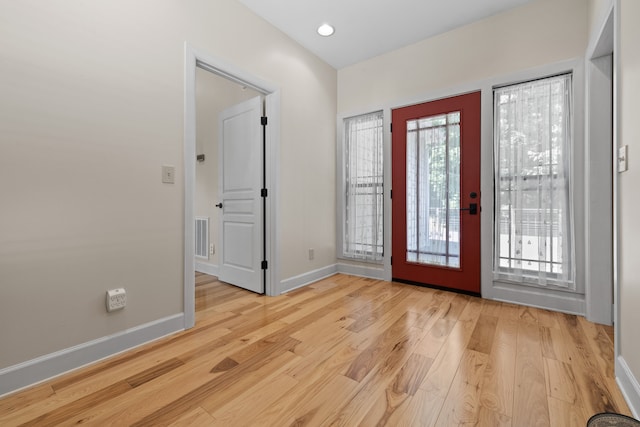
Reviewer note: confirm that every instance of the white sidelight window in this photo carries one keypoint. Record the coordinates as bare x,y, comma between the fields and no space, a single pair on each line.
534,236
362,236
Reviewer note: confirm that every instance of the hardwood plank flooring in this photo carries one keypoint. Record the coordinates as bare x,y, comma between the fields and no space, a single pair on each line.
343,351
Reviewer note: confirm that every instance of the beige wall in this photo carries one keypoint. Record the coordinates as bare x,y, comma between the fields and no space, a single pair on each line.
92,106
629,227
539,33
214,94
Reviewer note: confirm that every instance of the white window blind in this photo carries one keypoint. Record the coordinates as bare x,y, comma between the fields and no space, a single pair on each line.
534,224
363,187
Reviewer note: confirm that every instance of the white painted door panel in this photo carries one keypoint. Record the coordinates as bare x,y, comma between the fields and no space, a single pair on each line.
240,182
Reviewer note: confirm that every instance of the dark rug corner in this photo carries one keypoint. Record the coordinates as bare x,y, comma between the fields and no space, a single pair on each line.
612,420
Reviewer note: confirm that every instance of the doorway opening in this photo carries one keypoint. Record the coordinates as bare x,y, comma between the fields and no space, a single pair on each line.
228,80
230,159
601,147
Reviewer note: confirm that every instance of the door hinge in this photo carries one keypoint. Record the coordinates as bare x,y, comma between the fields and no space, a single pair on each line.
265,265
263,192
391,127
263,120
391,260
391,194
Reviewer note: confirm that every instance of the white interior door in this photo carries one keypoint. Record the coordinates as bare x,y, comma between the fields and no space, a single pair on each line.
240,184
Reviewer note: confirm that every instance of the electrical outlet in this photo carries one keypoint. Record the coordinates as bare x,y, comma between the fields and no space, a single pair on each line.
212,249
311,254
116,299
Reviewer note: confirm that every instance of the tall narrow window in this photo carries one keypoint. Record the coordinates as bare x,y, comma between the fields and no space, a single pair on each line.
534,233
363,195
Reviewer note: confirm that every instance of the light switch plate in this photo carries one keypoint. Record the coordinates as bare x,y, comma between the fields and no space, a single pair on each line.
623,158
168,174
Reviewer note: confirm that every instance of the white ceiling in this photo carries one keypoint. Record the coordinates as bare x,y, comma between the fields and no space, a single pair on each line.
368,28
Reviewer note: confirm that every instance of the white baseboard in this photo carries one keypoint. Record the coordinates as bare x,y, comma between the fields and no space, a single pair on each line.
628,385
540,298
362,271
31,372
307,278
205,267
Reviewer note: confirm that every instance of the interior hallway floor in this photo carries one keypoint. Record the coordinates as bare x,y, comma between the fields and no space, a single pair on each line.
343,351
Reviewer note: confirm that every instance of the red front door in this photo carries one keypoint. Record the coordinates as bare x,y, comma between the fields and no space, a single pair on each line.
436,193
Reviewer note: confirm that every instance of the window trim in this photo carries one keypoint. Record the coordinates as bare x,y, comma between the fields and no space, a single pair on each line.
501,275
340,189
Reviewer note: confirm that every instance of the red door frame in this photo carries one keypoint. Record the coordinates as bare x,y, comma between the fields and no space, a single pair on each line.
467,278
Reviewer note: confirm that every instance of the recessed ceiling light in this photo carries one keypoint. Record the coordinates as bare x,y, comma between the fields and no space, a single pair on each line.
325,30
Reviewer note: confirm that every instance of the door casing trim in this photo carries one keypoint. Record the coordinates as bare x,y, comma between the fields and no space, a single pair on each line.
193,59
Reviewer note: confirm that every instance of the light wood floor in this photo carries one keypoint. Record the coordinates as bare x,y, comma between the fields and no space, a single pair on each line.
344,351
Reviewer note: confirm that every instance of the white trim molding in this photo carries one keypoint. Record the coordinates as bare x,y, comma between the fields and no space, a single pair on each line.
206,268
599,169
362,270
309,277
31,372
548,299
628,386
